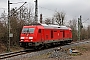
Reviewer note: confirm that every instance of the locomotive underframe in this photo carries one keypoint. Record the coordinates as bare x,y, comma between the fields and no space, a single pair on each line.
34,44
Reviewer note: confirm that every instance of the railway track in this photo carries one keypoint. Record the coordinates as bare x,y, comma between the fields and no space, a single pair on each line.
6,56
11,54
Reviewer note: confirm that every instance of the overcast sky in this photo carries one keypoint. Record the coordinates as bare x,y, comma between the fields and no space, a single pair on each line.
72,8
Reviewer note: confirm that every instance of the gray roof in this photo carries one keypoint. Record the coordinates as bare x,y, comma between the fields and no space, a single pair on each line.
54,26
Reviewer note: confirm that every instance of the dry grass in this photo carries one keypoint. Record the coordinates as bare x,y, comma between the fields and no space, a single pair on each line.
2,48
84,50
16,48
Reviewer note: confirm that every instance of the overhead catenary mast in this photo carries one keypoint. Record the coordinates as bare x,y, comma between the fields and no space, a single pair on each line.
80,26
36,12
8,49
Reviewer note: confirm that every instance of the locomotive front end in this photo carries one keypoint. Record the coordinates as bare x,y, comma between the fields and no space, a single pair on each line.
27,36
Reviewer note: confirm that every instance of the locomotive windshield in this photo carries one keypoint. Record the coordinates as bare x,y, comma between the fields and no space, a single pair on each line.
28,30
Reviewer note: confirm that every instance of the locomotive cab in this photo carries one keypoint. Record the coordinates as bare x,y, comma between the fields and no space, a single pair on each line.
29,35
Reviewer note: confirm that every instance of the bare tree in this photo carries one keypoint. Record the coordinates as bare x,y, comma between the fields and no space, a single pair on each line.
59,17
84,33
73,26
52,20
88,32
48,21
3,28
3,18
2,32
27,15
24,13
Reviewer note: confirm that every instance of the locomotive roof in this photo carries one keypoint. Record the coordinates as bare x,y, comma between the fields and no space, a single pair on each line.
49,26
55,26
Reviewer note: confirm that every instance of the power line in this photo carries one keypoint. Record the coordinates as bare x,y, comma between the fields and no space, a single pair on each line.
47,8
85,20
44,7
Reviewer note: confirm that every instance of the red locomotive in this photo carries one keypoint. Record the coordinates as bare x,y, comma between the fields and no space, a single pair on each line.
37,35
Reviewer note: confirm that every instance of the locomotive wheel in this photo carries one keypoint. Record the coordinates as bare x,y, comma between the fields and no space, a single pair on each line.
41,46
45,45
36,47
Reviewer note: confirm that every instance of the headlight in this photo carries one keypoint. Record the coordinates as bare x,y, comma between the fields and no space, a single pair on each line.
30,37
21,40
22,37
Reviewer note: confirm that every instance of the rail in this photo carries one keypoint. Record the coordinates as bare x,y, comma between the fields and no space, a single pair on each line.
11,54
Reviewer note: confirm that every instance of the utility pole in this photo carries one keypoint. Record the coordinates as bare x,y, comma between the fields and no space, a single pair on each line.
36,12
40,18
8,26
79,28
